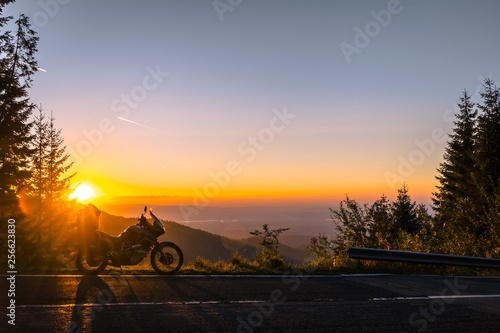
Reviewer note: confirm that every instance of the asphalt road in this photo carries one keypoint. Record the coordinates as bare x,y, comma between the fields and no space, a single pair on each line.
362,303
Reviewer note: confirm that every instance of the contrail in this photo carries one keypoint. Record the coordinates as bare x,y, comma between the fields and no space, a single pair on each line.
154,129
38,68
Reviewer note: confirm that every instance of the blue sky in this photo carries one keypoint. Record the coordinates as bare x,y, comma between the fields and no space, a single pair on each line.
356,119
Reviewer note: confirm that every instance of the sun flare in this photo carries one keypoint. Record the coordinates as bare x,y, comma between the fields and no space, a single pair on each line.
82,192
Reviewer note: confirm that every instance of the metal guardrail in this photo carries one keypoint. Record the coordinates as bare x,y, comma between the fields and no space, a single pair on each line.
421,258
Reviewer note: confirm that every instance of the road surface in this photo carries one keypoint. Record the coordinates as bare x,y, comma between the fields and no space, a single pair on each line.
350,303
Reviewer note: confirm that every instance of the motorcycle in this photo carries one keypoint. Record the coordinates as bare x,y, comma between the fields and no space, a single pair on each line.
98,249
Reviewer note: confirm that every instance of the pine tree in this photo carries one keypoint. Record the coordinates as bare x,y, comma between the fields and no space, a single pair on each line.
404,213
469,177
58,182
16,69
456,181
488,174
49,182
3,3
49,185
381,228
40,144
4,19
49,164
488,139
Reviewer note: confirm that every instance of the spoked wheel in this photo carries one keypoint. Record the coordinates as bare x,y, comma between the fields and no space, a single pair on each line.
90,265
166,258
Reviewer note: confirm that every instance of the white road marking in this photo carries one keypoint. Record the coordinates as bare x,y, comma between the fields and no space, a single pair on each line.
117,275
411,298
136,304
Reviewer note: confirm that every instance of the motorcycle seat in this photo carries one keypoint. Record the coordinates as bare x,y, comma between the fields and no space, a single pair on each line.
112,241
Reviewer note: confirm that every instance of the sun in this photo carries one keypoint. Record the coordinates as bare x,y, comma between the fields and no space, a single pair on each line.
82,192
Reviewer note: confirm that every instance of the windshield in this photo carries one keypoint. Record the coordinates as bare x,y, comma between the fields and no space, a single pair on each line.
156,220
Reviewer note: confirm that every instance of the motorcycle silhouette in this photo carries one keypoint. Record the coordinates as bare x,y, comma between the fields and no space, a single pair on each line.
98,249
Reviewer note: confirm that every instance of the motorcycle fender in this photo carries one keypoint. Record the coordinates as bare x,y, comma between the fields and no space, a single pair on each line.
159,246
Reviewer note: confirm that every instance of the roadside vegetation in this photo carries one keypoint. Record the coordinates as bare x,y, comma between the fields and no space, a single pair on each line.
465,218
466,205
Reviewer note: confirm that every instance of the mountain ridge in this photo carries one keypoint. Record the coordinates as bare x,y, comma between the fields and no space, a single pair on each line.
199,243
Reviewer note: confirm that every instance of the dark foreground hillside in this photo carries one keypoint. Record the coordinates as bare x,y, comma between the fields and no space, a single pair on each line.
198,243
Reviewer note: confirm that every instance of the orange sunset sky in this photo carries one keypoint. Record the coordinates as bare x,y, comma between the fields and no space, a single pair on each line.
289,101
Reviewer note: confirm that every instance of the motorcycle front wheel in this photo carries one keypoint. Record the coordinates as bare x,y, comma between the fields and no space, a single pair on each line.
166,258
89,266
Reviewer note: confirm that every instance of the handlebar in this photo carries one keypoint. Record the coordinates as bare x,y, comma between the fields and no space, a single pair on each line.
143,221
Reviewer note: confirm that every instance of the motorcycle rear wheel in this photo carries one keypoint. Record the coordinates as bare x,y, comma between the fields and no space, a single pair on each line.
172,260
89,267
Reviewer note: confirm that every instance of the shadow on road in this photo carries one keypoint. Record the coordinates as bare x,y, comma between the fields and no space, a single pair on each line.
93,300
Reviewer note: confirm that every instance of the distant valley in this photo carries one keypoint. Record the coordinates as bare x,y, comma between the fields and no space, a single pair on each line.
195,242
236,222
